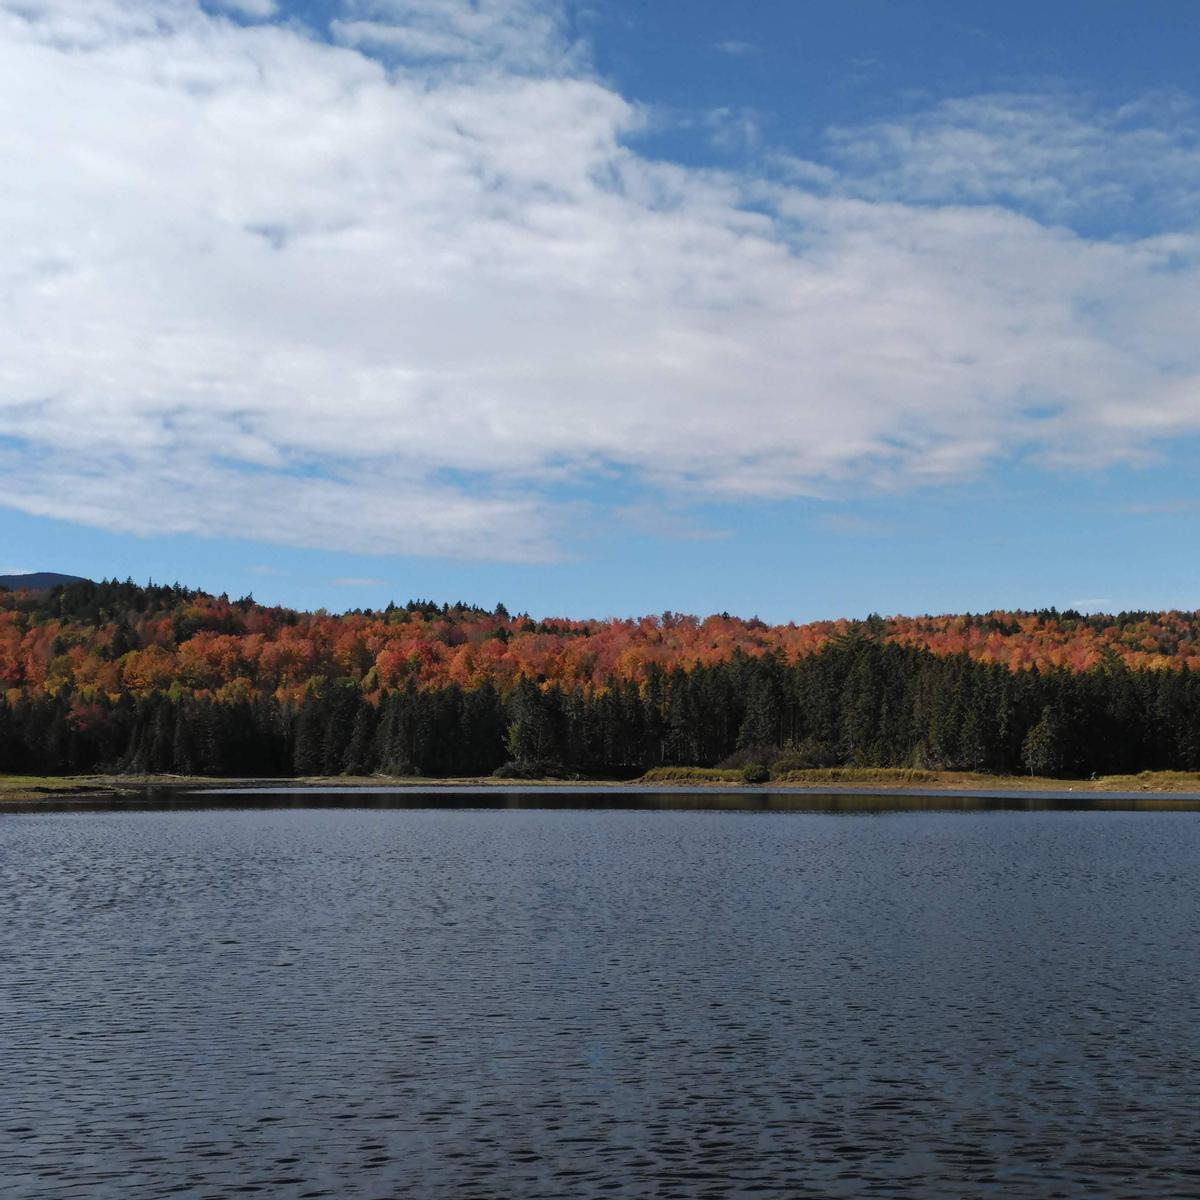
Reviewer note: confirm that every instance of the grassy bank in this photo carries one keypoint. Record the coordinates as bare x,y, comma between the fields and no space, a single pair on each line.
31,788
41,787
906,777
25,788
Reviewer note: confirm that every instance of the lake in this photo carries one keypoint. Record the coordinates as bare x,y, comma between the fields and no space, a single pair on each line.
513,1000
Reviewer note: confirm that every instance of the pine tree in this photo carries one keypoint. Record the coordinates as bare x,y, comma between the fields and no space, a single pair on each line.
308,741
1042,750
358,756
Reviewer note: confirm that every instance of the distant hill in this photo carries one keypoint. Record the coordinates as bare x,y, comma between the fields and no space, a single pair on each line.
37,581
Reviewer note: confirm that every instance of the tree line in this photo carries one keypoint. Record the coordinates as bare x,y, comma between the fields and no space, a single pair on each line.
101,640
859,701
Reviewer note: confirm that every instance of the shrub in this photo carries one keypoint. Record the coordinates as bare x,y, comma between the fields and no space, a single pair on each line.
540,769
749,755
809,754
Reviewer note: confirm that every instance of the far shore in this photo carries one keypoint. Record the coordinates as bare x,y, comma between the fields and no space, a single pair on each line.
54,789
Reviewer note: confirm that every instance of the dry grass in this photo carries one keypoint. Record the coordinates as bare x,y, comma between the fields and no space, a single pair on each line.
692,775
25,788
895,776
1147,781
31,788
899,777
43,787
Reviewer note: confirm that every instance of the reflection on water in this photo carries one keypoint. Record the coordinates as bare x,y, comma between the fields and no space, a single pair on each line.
600,797
548,1003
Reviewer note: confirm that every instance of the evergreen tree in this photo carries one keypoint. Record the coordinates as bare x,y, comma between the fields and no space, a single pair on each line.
309,740
1042,749
358,758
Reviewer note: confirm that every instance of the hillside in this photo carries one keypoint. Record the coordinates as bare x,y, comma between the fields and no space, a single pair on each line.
117,637
37,581
107,674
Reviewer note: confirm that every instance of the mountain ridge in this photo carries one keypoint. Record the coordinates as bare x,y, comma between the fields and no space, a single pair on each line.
38,581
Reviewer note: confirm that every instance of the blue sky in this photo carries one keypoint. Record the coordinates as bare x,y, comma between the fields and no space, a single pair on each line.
789,309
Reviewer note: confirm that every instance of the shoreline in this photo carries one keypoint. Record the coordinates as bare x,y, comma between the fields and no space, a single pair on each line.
28,790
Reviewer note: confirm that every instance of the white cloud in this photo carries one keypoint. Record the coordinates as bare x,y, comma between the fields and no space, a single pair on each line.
1061,158
265,285
183,490
258,10
525,35
734,129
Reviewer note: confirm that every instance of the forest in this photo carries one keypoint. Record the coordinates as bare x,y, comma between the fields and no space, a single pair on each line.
120,677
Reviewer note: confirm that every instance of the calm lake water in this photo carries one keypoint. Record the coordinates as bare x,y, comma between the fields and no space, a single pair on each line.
413,1002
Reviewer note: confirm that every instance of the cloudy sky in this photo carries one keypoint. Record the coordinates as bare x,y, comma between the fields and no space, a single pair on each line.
605,306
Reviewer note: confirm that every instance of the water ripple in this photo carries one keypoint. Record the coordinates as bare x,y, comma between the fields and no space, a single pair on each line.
346,1003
